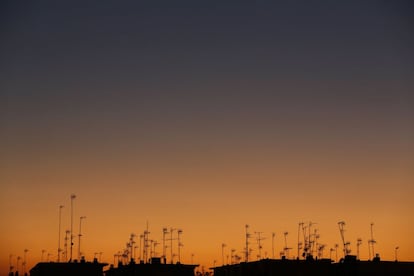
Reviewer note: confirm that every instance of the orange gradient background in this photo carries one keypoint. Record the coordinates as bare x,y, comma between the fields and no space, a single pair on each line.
206,118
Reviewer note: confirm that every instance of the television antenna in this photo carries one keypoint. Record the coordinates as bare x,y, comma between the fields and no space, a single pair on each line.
371,242
286,248
346,249
259,244
359,242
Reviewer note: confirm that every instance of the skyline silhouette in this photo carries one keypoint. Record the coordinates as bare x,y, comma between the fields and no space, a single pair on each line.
166,245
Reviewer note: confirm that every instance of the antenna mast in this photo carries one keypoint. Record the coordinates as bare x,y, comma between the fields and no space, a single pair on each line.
164,247
179,232
341,225
371,242
359,242
132,246
72,197
299,242
171,244
80,235
141,237
259,243
286,249
66,245
222,253
305,241
247,242
60,223
146,236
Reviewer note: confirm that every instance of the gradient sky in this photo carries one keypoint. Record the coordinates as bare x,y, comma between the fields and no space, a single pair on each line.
205,116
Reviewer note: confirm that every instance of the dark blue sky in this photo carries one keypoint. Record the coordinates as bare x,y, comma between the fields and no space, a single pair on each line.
204,41
213,61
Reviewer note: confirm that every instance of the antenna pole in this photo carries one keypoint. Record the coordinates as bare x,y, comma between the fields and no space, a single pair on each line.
24,261
359,242
286,249
140,247
179,232
222,253
259,244
80,234
164,247
11,264
336,252
247,243
66,245
315,245
72,197
341,225
372,241
171,244
17,264
305,241
60,222
299,243
134,255
146,235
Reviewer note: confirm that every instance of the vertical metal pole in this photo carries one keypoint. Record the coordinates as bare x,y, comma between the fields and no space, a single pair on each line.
171,244
372,240
146,234
17,263
299,226
140,247
72,197
80,234
357,251
67,233
336,252
132,245
259,245
247,243
179,232
286,248
359,242
60,222
164,232
10,262
24,261
369,250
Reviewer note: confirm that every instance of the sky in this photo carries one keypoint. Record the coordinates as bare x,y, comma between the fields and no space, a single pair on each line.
206,116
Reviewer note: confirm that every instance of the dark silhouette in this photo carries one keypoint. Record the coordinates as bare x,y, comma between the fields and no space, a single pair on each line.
68,269
153,268
322,267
